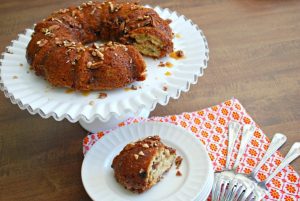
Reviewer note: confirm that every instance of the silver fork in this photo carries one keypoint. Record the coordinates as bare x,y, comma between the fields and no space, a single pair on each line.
224,185
277,141
261,189
235,186
221,181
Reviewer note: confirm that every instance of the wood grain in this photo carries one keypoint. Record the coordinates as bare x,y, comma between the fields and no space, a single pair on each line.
254,56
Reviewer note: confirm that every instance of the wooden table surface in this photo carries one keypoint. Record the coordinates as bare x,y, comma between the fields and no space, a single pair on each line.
254,56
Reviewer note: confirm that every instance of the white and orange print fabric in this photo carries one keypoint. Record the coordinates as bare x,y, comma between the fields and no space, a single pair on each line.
210,126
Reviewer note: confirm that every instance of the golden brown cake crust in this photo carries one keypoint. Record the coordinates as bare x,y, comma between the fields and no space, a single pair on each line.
131,165
58,48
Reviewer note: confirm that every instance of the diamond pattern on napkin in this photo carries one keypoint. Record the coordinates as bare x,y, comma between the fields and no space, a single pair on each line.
210,127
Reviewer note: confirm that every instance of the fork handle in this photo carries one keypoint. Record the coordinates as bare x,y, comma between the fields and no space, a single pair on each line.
292,155
233,130
248,131
277,141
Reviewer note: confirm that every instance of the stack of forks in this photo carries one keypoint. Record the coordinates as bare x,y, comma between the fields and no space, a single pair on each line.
231,185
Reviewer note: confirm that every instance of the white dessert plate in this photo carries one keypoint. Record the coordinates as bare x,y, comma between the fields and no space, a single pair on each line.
194,184
34,94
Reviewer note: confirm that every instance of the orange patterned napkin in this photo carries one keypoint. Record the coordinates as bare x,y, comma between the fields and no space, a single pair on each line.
210,127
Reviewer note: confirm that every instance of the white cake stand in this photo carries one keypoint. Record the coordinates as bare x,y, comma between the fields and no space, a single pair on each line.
34,94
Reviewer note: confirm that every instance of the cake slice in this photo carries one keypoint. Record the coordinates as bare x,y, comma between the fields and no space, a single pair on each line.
141,164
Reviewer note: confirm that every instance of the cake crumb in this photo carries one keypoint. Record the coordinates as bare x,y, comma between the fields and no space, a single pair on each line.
133,87
91,103
179,54
15,77
21,65
178,161
161,64
102,95
169,64
178,173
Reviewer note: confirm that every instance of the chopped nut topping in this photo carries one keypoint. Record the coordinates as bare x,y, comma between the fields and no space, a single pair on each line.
42,42
133,7
110,43
90,3
126,30
58,41
141,171
178,161
136,156
117,8
95,65
145,145
179,53
73,13
55,19
99,54
54,27
48,32
178,173
62,11
79,49
130,61
96,45
69,44
141,153
93,11
45,30
165,88
89,64
111,7
15,77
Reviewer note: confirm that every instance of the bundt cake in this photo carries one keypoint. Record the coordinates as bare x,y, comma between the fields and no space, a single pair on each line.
140,165
60,48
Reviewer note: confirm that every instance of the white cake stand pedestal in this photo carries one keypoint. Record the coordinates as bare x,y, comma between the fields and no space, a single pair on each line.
97,125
